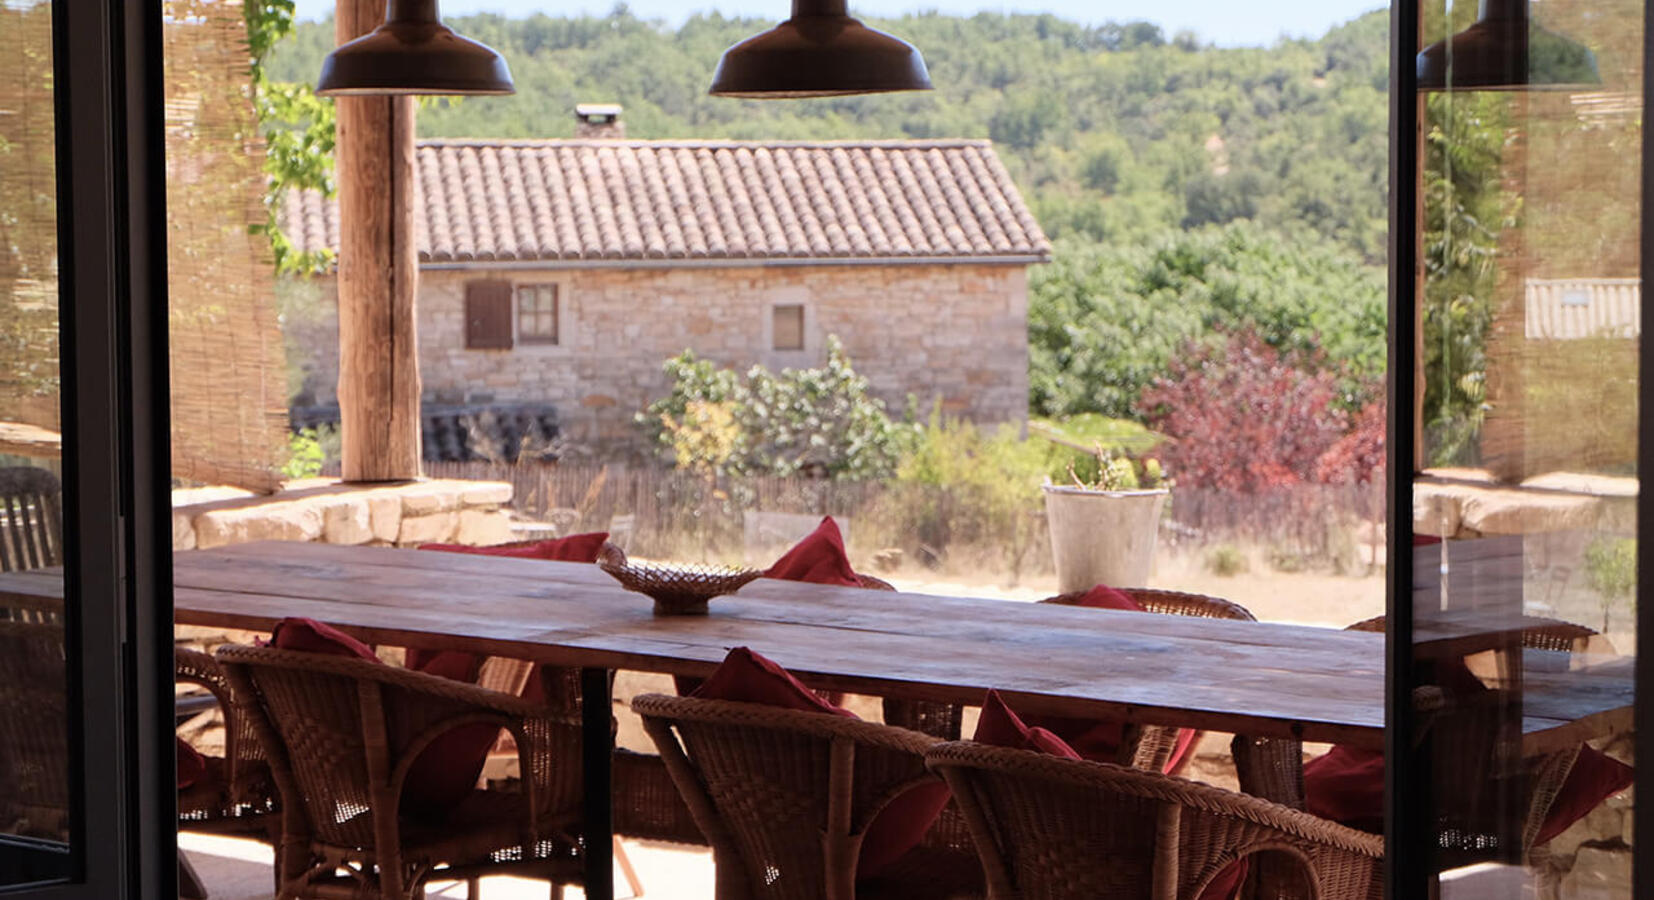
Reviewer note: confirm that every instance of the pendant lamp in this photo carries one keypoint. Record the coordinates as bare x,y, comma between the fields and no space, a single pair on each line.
413,53
819,52
1506,51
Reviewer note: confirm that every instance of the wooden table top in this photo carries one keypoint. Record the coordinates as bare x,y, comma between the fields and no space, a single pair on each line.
1260,679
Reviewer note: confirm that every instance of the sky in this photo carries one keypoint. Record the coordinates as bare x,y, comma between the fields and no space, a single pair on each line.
1223,22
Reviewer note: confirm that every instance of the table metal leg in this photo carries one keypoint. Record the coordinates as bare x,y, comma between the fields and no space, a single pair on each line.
598,761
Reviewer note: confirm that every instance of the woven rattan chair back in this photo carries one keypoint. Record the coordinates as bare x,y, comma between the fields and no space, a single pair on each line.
34,731
783,796
1054,829
340,734
31,519
1538,633
249,791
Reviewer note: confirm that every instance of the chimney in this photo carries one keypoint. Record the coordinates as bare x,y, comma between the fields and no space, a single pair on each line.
598,121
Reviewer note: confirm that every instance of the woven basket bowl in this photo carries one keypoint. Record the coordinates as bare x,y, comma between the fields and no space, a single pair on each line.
678,590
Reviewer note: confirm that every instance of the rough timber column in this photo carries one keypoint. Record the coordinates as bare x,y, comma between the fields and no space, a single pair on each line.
378,275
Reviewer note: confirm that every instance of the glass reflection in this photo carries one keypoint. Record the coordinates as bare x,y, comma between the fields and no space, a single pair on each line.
1524,494
34,751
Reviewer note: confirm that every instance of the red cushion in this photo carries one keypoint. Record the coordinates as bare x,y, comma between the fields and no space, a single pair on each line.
1594,778
574,548
1347,785
311,636
999,725
1104,597
819,558
192,766
749,677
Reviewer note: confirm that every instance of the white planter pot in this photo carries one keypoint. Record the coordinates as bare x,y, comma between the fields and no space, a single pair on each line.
1102,537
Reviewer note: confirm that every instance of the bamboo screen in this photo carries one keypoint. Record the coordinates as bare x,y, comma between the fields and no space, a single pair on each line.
28,223
229,385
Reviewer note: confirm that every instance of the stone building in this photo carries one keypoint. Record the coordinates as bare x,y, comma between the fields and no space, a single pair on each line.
565,272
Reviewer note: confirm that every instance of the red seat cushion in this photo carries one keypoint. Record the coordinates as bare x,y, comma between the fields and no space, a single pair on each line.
311,636
574,548
446,771
1001,726
192,766
749,677
1594,778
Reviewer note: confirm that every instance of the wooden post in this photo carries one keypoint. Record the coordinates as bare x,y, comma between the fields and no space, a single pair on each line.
378,276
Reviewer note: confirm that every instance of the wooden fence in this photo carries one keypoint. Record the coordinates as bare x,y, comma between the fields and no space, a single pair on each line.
684,515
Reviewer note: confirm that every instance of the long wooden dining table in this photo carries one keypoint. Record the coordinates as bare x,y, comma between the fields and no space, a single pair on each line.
1253,678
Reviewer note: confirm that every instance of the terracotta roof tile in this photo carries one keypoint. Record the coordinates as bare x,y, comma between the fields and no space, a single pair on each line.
563,200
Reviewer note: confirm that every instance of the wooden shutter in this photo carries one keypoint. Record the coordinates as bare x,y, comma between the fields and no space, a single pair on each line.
488,315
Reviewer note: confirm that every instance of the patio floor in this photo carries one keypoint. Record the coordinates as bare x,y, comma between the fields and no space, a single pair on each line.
236,869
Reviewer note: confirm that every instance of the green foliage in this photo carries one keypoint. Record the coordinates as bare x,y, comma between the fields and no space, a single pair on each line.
1611,566
796,421
1108,130
297,126
961,485
1611,569
1465,209
1105,321
304,455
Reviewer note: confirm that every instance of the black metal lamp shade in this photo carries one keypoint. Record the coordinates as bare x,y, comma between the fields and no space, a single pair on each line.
820,52
1506,51
414,53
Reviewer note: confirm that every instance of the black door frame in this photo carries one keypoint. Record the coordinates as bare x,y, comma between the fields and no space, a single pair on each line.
117,510
1408,865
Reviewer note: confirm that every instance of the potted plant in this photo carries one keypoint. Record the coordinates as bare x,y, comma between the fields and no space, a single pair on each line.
1103,530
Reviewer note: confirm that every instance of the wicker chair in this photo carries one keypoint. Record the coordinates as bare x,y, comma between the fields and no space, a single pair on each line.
1466,734
238,795
340,735
31,518
786,797
1271,768
34,731
1053,828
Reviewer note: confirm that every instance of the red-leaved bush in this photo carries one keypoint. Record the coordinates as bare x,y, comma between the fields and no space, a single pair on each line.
1359,455
1244,418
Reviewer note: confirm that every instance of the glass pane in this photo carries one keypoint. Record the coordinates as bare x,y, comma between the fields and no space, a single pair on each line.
34,738
1525,476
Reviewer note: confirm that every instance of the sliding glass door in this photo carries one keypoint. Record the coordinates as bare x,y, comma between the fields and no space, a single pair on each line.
1514,614
85,755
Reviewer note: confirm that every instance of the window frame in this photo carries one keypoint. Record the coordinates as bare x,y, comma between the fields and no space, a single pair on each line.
526,339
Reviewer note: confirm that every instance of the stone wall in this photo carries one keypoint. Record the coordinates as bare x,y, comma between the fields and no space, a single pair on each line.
459,512
954,334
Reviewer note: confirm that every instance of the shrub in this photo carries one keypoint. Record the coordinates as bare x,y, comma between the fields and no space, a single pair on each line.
798,421
1244,417
960,485
1611,569
1226,560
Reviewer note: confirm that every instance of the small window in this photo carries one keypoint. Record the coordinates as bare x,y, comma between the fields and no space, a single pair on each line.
537,313
789,327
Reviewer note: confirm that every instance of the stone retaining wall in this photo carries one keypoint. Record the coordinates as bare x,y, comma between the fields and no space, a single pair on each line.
325,511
